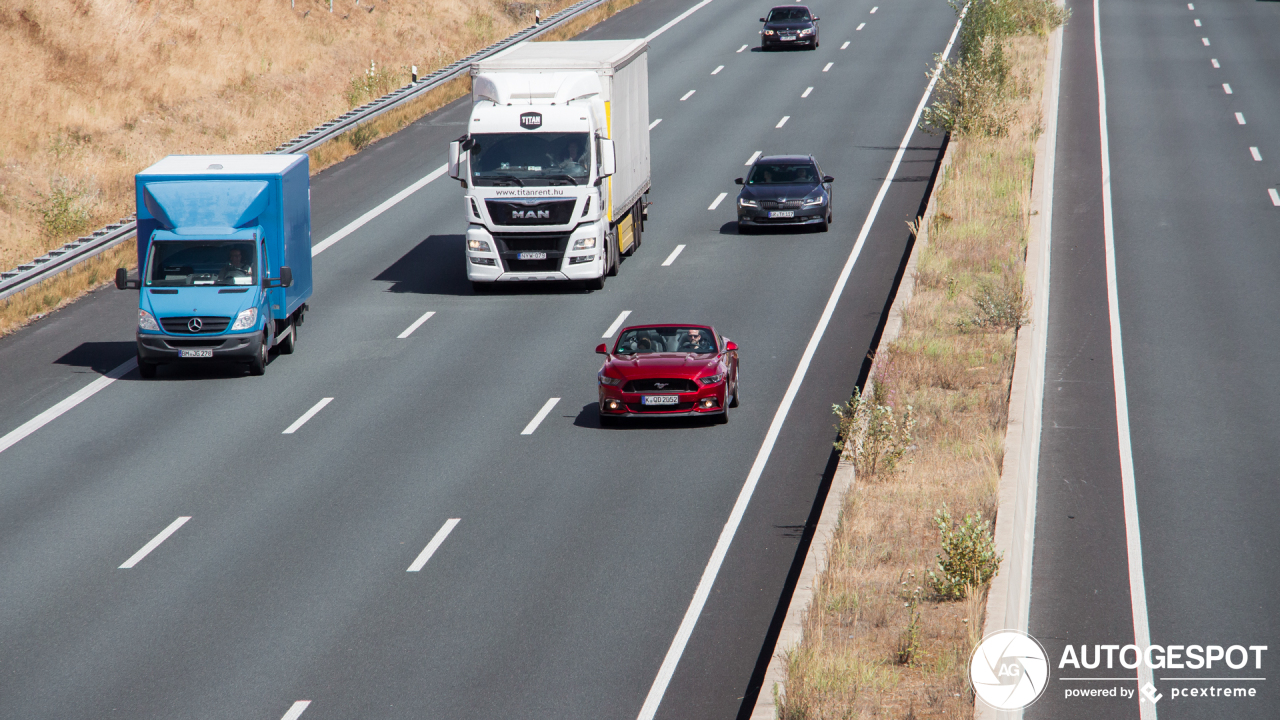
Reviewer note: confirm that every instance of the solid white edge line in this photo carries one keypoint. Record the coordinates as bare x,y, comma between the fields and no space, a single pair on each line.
436,541
1133,537
17,434
672,257
1275,196
654,124
752,159
295,710
307,416
386,205
717,70
155,542
1226,88
1257,156
537,419
782,122
1240,119
719,198
622,316
416,324
678,18
703,591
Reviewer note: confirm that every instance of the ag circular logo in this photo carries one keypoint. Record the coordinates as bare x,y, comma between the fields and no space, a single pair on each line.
1009,670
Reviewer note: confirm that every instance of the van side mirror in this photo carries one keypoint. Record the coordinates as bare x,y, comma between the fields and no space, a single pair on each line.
730,346
827,179
737,181
602,349
286,276
608,158
123,282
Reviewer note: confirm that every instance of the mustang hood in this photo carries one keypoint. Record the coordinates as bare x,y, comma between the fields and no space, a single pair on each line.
661,365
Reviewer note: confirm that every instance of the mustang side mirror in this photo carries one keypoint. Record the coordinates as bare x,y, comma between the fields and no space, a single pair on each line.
827,179
602,349
730,346
737,181
123,282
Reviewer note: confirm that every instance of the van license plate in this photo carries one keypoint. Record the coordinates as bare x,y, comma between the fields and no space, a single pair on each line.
660,400
531,256
195,353
782,213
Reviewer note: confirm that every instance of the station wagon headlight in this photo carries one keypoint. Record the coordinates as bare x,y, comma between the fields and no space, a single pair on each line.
611,381
478,246
246,319
584,243
743,202
818,200
146,321
711,379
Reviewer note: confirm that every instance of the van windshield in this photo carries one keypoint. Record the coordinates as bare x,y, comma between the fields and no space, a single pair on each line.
181,263
530,158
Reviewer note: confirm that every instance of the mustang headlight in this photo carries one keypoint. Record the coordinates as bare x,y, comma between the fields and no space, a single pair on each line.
711,379
818,200
146,321
743,202
478,246
584,243
613,381
246,319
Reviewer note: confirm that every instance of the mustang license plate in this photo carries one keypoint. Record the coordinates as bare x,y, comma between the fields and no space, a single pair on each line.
531,256
195,353
782,213
660,400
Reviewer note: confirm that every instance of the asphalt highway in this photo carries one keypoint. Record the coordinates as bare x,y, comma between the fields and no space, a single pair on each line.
368,531
1192,101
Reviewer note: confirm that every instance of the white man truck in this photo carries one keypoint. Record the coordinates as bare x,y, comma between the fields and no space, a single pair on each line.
555,162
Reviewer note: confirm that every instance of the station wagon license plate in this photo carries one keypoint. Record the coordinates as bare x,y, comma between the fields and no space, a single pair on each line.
531,256
660,400
195,353
782,213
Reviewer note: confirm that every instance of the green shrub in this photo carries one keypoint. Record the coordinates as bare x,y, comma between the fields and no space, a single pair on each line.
372,83
64,211
880,438
362,136
998,305
968,559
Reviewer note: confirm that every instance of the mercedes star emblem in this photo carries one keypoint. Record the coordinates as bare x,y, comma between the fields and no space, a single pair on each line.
194,325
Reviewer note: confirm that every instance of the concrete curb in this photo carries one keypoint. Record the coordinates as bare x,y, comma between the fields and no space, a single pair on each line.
815,561
1009,597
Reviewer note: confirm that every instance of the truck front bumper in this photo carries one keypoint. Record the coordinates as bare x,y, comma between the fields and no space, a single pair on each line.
574,265
235,347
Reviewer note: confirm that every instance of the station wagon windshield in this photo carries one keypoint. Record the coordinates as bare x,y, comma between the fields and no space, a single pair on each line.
530,158
194,262
780,174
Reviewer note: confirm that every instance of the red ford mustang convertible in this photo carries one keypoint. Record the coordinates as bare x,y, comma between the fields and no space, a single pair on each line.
668,371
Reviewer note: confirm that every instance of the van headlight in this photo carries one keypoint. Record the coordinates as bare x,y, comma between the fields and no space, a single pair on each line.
246,319
584,243
146,321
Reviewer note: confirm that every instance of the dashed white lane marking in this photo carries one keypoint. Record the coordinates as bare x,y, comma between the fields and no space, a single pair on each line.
385,206
687,95
295,710
1275,196
434,545
783,121
676,20
542,414
1240,119
846,42
744,47
416,324
860,26
1226,88
828,66
806,92
17,434
306,416
622,316
672,257
1198,22
1205,41
155,542
717,70
716,203
654,124
753,157
874,9
1215,62
1257,156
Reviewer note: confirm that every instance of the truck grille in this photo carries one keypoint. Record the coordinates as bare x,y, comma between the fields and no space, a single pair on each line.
669,385
182,325
534,212
510,245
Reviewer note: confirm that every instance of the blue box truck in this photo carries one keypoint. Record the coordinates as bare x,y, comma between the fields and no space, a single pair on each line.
224,258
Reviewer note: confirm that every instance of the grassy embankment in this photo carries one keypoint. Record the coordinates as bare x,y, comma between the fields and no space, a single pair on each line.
99,89
895,616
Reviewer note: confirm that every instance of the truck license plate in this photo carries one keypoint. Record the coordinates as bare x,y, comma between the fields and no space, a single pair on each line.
195,353
532,256
660,400
782,213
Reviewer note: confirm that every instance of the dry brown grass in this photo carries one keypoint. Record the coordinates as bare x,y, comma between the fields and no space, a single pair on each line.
956,376
99,89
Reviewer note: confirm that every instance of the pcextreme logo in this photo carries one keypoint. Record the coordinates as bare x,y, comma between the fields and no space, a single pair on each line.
1009,670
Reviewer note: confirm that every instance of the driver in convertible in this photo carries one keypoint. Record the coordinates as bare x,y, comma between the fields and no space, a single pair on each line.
236,265
696,342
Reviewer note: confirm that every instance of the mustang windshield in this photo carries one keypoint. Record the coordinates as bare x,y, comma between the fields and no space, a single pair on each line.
643,341
530,158
783,174
786,14
180,263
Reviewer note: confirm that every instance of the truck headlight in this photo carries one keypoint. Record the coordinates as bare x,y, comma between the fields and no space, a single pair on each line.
743,202
711,379
613,381
246,319
478,246
146,321
810,202
584,243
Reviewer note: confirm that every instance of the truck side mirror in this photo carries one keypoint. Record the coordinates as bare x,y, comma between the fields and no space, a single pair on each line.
123,282
737,181
286,276
455,152
602,349
608,159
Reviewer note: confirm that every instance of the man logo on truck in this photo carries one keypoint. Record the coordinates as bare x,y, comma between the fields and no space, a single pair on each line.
530,214
531,120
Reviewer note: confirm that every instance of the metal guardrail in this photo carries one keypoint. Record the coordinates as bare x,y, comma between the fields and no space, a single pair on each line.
73,253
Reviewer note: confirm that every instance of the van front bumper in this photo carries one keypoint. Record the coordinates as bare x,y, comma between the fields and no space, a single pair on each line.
162,348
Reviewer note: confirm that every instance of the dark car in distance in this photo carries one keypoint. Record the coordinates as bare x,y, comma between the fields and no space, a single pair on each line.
789,26
668,371
784,190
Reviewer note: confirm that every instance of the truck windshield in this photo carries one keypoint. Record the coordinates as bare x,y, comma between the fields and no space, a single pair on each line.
530,158
180,263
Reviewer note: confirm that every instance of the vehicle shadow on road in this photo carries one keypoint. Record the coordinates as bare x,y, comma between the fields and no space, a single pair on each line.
101,357
436,266
731,228
589,417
